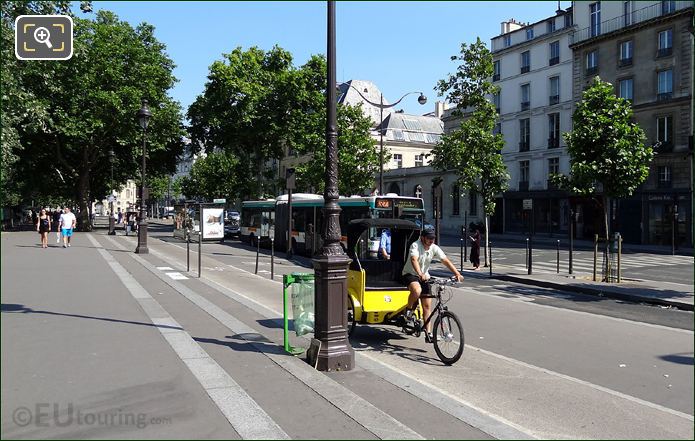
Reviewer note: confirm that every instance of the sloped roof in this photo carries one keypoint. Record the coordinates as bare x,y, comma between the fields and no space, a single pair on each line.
404,127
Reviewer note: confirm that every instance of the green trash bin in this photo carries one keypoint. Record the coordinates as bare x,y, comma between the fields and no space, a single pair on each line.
300,288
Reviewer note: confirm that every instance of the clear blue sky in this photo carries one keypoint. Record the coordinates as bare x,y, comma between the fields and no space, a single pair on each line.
401,46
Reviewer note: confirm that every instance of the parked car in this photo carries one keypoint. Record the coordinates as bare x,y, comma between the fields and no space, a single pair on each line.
232,224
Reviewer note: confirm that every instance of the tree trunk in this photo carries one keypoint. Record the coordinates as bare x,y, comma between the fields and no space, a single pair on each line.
83,200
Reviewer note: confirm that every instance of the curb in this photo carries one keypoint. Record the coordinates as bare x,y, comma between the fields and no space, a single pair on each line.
595,291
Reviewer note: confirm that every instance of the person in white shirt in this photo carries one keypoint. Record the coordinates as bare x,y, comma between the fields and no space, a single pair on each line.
416,272
67,224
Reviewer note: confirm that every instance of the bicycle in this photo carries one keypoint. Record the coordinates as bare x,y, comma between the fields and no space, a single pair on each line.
447,332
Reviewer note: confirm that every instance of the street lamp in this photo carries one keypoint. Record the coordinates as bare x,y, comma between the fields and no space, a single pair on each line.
330,265
143,116
422,99
112,226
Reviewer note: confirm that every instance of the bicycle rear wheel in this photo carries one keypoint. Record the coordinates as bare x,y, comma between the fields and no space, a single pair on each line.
448,337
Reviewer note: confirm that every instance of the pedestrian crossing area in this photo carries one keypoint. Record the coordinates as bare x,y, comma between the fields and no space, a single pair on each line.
586,265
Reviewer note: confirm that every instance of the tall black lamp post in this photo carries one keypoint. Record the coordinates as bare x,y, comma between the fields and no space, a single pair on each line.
422,99
112,226
144,115
330,265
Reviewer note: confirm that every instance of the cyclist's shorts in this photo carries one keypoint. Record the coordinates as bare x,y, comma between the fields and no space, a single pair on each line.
407,279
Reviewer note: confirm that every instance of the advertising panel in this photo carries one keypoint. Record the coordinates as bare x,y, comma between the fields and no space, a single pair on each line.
213,223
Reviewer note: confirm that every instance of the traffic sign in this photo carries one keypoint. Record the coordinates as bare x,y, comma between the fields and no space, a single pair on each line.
219,201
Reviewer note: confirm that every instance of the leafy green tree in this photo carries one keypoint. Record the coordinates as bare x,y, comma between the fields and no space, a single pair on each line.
89,104
358,158
608,157
22,110
245,110
213,177
473,151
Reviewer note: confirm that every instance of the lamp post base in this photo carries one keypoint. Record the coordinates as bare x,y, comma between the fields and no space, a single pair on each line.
334,350
142,239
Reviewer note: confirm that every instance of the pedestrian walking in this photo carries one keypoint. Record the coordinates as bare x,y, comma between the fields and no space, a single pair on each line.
56,222
67,224
43,226
475,249
120,217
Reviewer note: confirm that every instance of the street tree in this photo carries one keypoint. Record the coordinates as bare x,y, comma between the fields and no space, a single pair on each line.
473,151
244,110
89,104
358,157
22,110
608,156
213,176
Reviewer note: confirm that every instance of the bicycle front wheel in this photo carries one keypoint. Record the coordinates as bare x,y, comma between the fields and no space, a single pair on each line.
448,337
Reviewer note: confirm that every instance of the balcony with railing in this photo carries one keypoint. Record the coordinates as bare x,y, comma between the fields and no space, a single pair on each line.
624,62
665,96
591,70
496,77
641,15
553,61
553,142
525,105
525,69
523,185
523,146
664,52
554,99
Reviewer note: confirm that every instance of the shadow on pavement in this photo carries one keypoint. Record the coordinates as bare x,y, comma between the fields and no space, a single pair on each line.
13,308
381,340
683,358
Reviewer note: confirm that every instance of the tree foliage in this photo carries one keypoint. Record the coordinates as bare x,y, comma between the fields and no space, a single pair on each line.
87,106
256,104
212,177
606,148
473,151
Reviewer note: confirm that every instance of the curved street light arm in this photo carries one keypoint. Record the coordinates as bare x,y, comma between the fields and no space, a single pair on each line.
384,106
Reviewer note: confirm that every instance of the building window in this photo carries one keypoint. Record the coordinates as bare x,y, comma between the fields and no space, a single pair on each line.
473,203
419,160
498,129
664,174
627,13
496,71
525,61
664,130
507,40
554,53
595,10
554,90
592,62
496,101
625,58
551,25
525,96
553,130
553,166
665,43
568,20
523,175
398,160
668,6
664,85
625,89
524,134
529,34
456,200
127,194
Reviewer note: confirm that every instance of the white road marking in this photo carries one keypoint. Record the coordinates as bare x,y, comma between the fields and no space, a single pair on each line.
165,268
176,276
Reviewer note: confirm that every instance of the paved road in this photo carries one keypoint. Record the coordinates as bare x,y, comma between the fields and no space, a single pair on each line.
537,363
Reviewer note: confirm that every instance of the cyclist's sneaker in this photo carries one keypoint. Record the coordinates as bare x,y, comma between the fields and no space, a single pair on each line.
409,318
429,338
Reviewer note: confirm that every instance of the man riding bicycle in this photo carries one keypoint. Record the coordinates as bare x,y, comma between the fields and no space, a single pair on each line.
416,272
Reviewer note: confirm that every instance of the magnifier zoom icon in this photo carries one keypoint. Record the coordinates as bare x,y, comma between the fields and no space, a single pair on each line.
42,35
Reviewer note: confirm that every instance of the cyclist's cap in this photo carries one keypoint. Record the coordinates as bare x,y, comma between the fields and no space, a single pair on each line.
428,233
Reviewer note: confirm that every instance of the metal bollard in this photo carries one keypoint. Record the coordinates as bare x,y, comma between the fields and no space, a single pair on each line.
595,254
465,245
526,258
461,269
258,251
490,244
530,255
272,258
620,252
188,251
558,256
200,251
